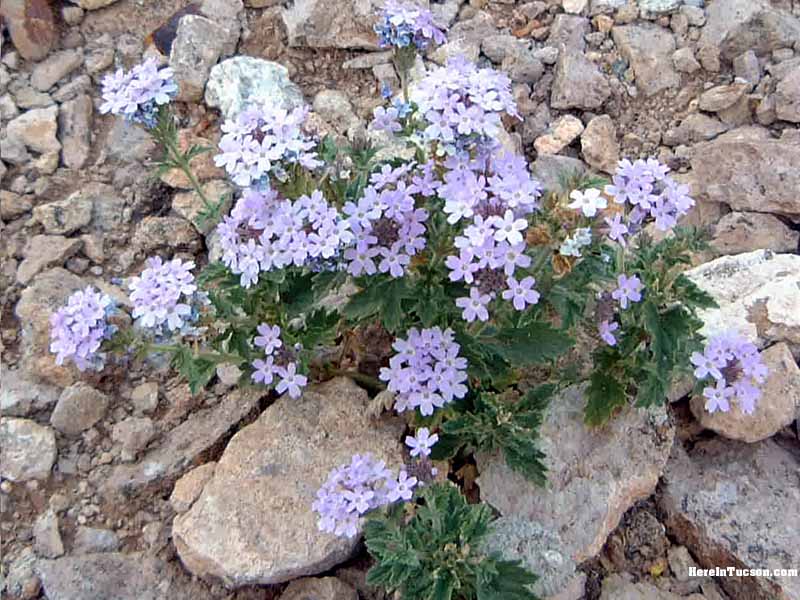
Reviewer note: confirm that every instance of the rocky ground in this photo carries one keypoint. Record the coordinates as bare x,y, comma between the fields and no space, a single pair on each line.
123,485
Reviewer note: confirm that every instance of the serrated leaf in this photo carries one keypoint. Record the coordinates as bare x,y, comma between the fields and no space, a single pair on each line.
604,395
537,342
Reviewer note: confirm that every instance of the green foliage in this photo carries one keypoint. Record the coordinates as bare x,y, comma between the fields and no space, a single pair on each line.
498,424
435,554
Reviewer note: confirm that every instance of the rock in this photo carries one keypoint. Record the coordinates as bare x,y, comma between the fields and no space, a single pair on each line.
255,496
108,575
594,475
721,97
89,540
28,450
335,109
659,7
578,83
747,68
201,165
697,127
562,133
616,587
158,232
465,38
79,407
46,537
574,7
680,561
99,60
133,433
775,410
787,97
45,251
568,31
341,24
740,232
144,397
648,49
709,58
19,396
196,48
57,66
684,60
319,588
733,505
183,444
523,67
769,184
188,488
599,144
695,15
45,294
21,580
549,169
127,142
229,15
757,294
75,131
36,129
31,25
540,550
237,82
189,205
64,216
497,47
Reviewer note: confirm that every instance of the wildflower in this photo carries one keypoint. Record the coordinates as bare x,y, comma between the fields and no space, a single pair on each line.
404,23
572,245
521,293
508,228
79,328
474,306
137,94
385,119
736,365
265,370
588,201
426,372
617,229
628,290
422,443
606,330
268,338
291,381
164,296
401,488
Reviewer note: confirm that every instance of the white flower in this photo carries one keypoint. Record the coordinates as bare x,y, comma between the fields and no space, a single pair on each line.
588,202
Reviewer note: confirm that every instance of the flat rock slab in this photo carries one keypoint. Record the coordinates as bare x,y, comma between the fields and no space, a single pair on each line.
735,504
332,23
649,50
594,474
757,293
27,450
253,522
184,444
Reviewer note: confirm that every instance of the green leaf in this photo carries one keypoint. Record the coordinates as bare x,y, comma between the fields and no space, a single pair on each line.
605,393
537,342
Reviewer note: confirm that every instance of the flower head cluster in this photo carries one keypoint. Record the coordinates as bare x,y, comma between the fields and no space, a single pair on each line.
650,191
426,372
353,490
404,23
580,238
79,328
138,93
387,227
421,443
493,197
262,141
279,360
165,297
462,104
263,233
736,366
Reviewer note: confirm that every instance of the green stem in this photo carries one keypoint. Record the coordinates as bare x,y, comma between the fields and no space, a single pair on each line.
179,158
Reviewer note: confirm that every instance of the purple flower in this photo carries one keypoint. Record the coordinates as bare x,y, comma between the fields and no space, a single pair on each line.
291,380
269,338
422,443
705,366
137,94
509,228
628,289
164,294
607,330
79,328
402,488
405,23
717,397
617,229
521,293
474,306
385,119
264,372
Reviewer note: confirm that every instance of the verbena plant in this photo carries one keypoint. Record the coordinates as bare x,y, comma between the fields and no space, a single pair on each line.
483,279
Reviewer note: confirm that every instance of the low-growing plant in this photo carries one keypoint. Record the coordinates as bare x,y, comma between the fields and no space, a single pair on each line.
483,280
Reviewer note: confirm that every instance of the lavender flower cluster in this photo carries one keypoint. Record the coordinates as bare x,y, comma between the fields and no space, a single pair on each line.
165,297
427,371
462,105
388,230
405,23
279,360
736,366
264,232
138,93
646,187
79,328
262,141
493,196
353,490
